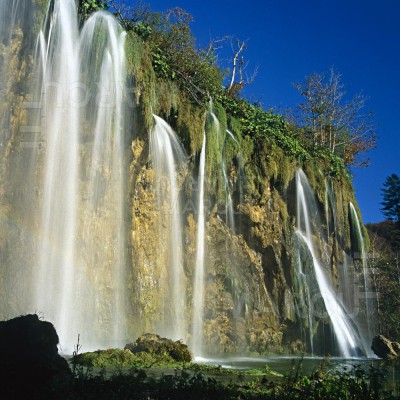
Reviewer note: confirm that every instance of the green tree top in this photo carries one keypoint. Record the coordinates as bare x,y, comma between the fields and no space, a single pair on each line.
391,198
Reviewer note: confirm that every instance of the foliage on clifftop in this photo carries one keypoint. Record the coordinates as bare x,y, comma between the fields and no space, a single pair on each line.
176,76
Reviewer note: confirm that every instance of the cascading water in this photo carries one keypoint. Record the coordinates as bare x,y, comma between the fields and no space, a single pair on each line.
102,46
16,19
66,227
347,338
199,279
348,287
167,154
306,304
58,228
230,215
360,254
240,172
17,145
220,142
71,131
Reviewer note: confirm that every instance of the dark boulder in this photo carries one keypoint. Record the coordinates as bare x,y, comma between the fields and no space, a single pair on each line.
28,352
384,348
155,344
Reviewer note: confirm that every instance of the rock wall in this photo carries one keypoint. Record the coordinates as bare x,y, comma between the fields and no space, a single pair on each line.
251,300
251,293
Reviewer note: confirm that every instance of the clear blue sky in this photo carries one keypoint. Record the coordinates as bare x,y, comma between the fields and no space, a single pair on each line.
289,39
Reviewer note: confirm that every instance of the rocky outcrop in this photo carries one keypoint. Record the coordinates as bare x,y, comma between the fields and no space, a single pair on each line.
28,352
155,344
384,348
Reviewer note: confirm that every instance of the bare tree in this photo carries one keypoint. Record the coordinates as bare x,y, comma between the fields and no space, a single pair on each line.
334,123
239,76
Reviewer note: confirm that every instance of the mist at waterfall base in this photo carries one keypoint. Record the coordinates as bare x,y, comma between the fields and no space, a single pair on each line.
65,159
72,166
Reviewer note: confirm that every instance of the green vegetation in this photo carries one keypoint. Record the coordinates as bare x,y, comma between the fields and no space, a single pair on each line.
173,77
87,7
173,50
263,125
153,344
117,358
123,358
350,383
384,261
148,350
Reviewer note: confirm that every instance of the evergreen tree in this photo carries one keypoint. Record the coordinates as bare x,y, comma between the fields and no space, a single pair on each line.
391,198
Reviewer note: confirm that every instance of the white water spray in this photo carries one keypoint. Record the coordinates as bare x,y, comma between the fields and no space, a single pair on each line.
368,294
199,278
167,153
57,261
83,78
347,339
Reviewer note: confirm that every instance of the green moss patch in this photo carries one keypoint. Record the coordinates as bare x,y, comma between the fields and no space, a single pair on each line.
160,347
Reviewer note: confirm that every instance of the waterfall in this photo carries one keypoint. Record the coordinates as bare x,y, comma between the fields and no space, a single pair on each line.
199,278
58,227
240,172
18,131
360,253
14,18
305,300
102,46
16,24
230,214
72,170
327,211
330,209
79,203
216,129
348,286
307,217
167,153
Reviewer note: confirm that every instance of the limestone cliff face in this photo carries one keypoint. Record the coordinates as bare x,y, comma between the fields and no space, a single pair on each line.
253,296
251,293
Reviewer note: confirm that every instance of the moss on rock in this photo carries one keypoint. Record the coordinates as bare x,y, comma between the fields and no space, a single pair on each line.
161,347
